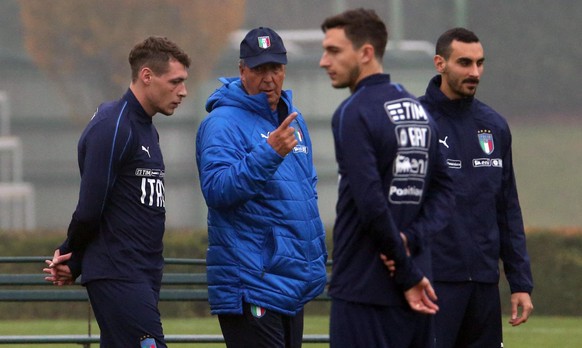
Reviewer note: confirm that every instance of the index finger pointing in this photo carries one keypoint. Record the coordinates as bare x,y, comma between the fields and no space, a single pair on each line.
287,121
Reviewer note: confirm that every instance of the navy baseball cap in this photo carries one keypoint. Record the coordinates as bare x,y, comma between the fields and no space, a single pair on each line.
261,46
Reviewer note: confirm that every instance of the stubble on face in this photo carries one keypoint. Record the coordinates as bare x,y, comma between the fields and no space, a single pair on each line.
462,70
339,59
351,77
459,86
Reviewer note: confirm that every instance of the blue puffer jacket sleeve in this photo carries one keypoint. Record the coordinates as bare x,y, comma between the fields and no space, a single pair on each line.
230,175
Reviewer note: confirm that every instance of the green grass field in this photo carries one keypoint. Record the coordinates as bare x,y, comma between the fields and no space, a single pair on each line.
563,332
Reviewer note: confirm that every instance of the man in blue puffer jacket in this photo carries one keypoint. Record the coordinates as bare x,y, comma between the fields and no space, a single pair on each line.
266,254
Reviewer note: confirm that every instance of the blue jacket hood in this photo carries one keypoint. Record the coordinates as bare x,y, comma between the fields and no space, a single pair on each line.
232,93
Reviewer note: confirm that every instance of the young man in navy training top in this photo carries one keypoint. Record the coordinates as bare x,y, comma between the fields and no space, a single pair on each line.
115,235
266,242
394,193
487,224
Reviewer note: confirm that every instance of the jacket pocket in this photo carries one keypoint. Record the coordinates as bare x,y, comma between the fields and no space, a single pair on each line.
269,250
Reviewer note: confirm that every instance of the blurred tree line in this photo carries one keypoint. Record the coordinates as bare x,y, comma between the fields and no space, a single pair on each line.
89,41
532,55
531,46
535,50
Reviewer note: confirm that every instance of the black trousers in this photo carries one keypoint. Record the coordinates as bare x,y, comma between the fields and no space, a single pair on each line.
469,315
360,325
261,328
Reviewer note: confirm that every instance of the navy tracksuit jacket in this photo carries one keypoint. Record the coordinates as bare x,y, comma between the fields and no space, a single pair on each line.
392,179
487,226
118,225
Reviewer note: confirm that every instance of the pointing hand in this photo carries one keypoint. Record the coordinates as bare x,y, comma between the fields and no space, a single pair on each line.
282,139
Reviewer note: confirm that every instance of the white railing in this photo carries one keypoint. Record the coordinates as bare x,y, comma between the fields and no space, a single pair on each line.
10,159
17,208
4,114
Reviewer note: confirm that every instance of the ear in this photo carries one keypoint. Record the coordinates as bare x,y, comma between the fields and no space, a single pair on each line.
241,70
439,63
145,75
367,53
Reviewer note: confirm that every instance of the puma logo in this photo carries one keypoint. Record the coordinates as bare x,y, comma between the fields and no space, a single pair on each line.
444,141
147,150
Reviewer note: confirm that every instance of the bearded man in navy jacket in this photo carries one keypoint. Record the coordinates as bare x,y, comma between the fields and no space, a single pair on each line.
487,224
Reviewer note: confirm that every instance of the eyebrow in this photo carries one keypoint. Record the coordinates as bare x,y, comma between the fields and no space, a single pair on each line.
178,79
467,59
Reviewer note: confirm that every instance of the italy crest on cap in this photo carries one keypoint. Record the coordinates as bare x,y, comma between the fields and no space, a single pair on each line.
264,42
486,141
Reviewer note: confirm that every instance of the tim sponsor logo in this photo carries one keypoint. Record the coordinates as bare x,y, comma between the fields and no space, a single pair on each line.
149,173
405,110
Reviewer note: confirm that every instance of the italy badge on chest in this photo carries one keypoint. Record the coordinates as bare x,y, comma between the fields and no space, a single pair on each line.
486,141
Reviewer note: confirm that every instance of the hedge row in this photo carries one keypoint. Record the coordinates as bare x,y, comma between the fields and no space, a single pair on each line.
556,257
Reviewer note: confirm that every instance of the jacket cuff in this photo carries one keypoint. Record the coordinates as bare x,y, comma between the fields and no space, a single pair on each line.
75,265
514,289
408,276
412,242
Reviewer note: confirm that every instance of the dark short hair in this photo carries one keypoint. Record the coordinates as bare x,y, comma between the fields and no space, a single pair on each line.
361,26
155,52
443,45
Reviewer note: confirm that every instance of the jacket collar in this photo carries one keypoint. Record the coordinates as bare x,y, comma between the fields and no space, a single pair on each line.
372,80
452,106
136,107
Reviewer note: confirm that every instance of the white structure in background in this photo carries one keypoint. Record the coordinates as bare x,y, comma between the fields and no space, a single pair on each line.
17,211
294,39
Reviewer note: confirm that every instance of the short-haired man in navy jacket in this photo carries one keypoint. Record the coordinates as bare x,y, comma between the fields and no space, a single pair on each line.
394,193
487,224
115,234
